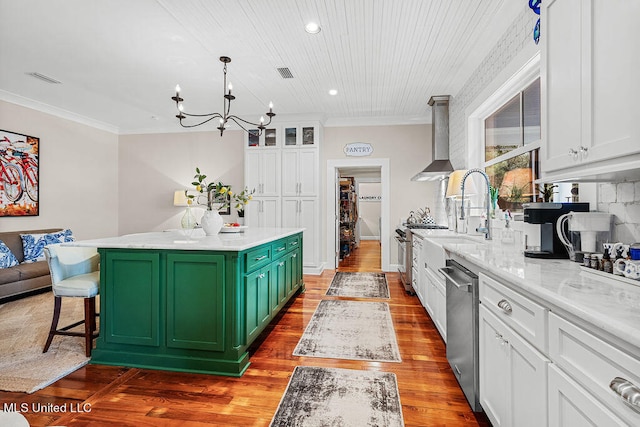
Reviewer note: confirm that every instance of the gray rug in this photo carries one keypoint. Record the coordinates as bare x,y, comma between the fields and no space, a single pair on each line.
319,397
355,330
363,285
24,327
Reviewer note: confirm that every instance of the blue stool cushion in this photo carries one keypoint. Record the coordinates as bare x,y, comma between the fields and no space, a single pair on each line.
83,285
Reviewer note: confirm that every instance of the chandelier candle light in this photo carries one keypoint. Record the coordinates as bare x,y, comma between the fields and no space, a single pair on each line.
225,116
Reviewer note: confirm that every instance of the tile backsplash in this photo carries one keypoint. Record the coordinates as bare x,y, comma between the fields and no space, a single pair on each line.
622,200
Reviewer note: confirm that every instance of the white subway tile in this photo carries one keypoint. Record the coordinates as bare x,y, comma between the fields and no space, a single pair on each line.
625,192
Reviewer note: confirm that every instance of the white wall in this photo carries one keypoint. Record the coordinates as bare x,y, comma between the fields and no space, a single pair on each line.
153,166
408,149
78,174
369,209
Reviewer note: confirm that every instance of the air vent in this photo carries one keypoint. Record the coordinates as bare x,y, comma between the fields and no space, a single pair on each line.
285,73
44,78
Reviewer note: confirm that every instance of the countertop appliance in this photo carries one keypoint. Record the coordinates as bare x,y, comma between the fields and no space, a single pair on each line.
541,238
463,329
584,230
405,257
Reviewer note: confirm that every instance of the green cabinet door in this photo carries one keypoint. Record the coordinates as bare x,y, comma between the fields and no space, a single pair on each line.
257,303
131,298
195,301
294,270
279,289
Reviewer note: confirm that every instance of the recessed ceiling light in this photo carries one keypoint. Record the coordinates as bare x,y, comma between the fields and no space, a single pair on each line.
333,92
312,28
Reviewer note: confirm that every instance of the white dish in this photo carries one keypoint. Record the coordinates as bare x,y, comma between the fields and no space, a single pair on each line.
226,229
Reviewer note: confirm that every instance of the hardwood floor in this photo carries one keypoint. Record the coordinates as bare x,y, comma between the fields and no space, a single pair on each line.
105,395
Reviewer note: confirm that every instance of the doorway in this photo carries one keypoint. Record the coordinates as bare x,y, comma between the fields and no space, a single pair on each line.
362,168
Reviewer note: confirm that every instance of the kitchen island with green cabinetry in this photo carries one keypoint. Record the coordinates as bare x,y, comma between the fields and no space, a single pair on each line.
192,304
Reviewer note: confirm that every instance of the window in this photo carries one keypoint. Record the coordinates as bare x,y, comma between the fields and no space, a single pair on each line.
511,146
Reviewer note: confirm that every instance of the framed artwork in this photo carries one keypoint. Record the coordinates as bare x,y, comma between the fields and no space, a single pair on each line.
19,174
226,200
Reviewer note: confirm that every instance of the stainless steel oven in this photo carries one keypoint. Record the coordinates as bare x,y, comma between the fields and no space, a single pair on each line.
463,329
404,239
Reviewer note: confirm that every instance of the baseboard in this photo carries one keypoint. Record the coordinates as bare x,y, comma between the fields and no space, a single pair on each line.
313,270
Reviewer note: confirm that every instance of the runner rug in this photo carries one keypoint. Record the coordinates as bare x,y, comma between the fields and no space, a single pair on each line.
362,285
355,330
339,397
24,327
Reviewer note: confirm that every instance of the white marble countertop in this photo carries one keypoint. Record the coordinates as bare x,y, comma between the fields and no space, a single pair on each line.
177,239
604,302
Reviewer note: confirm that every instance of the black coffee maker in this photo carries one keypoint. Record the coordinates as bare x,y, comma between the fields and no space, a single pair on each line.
541,238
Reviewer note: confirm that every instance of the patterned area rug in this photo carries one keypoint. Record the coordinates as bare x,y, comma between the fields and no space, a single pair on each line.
339,397
353,330
363,285
24,326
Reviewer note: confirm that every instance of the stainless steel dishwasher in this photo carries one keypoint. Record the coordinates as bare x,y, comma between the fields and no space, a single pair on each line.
462,329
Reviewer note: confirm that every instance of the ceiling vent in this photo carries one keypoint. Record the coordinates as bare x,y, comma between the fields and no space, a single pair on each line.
44,78
285,73
440,167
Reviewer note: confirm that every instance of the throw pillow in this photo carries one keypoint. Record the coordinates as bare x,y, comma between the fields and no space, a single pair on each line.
7,258
33,244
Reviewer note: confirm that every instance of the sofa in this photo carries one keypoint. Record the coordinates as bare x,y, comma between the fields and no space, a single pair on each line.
25,278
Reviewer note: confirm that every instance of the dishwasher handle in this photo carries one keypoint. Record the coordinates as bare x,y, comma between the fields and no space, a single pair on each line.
445,272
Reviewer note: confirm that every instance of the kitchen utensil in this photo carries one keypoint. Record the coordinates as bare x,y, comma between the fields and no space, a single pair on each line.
584,228
627,267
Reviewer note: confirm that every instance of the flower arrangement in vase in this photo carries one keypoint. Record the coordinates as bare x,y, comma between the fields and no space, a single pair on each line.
217,197
242,199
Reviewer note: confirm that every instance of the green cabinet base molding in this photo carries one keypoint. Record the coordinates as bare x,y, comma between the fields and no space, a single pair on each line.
192,310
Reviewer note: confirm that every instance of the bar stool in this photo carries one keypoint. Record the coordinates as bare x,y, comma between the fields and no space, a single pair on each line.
74,273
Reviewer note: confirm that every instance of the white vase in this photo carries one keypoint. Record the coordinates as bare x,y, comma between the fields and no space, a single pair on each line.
211,222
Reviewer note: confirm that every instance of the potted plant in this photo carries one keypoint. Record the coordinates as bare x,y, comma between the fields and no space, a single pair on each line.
546,192
242,199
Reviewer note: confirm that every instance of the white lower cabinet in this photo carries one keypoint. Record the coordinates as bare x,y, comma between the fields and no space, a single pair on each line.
440,308
596,367
303,212
570,405
513,375
263,212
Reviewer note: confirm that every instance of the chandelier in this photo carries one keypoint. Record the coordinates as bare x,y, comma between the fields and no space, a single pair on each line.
225,117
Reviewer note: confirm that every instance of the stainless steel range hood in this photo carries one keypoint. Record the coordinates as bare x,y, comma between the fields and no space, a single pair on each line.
440,167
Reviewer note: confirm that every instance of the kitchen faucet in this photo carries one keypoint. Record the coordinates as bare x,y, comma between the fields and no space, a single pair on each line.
487,222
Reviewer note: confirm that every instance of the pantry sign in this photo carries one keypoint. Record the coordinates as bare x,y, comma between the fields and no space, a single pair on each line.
358,149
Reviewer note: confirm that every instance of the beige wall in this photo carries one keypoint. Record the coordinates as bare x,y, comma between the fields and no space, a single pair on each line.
153,166
408,149
78,174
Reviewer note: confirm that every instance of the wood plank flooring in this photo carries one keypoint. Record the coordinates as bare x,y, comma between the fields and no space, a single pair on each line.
106,395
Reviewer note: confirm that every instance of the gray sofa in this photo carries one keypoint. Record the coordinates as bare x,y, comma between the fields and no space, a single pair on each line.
23,279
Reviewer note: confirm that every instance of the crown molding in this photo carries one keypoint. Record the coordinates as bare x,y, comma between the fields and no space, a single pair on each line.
55,111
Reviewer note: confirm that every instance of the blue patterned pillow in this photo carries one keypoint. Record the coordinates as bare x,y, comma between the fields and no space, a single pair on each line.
7,258
33,244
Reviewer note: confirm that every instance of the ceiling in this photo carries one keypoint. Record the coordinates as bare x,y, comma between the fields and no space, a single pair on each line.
118,61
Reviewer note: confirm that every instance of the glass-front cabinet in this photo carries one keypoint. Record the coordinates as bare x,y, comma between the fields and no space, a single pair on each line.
300,135
270,138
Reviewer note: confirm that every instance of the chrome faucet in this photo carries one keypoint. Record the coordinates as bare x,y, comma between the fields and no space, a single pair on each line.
487,223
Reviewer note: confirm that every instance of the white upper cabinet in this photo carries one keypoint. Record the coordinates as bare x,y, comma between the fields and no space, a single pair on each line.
296,135
590,91
262,172
300,172
271,137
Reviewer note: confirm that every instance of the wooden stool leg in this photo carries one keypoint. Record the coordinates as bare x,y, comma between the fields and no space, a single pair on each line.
57,302
89,323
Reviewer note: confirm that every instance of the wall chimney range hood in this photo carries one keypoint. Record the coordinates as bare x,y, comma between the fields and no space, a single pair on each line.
440,167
